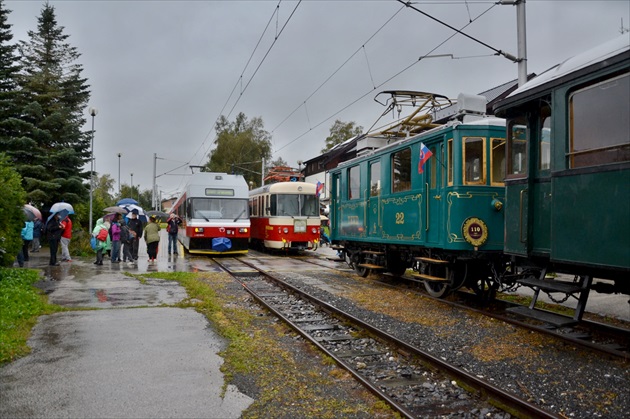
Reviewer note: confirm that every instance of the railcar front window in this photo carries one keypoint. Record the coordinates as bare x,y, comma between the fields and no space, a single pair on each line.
401,170
599,123
219,208
294,205
375,178
498,161
517,147
474,161
354,183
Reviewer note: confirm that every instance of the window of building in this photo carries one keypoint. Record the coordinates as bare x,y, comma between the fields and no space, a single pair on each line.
375,178
517,147
498,161
401,170
474,161
599,123
354,183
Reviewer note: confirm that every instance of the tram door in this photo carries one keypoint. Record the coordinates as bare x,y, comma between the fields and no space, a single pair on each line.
433,194
334,206
373,220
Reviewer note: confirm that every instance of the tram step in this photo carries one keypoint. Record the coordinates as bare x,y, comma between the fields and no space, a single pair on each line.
429,277
551,285
544,316
371,252
370,266
430,260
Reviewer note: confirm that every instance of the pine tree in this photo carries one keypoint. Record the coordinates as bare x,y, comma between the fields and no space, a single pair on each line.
55,99
16,134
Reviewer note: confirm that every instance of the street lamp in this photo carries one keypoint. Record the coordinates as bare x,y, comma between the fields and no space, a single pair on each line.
131,184
299,162
93,112
119,196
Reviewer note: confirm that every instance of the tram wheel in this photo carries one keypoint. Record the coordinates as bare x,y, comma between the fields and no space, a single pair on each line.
362,272
437,289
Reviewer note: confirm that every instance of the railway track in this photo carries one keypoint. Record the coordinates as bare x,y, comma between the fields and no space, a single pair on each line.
406,377
596,336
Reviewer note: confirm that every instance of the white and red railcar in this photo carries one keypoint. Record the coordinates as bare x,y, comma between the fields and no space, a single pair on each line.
285,216
213,209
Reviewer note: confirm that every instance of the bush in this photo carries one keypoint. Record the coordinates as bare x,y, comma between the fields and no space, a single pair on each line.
11,215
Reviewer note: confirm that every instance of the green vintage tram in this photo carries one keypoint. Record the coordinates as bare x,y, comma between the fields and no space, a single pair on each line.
432,202
490,212
568,175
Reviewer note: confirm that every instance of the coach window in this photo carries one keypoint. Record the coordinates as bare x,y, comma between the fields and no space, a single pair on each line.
599,123
354,183
544,139
497,161
450,162
433,170
401,170
517,147
375,178
474,161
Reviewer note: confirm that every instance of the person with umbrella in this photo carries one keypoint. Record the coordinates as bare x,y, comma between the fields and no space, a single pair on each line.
38,226
66,236
54,228
135,226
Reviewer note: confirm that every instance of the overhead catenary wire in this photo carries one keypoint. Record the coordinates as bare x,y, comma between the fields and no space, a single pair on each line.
387,80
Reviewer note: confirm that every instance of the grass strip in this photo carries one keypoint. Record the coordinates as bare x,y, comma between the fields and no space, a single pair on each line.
20,306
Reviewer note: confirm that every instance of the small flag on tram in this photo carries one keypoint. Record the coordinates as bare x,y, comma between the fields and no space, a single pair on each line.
425,154
320,188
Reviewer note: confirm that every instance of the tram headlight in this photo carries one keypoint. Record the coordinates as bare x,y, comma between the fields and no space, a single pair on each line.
285,230
198,229
242,230
314,230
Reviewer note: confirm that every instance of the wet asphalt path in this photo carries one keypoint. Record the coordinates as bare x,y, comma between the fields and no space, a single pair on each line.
128,358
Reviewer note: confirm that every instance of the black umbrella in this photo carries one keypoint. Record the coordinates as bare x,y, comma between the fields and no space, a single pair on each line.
160,215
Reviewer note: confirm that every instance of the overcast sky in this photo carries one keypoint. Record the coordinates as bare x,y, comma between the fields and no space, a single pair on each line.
161,72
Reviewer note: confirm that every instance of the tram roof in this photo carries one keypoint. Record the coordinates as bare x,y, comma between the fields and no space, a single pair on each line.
286,187
571,65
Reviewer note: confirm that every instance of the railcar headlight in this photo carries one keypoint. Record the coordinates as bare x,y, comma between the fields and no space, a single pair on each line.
198,229
314,230
285,230
496,204
242,230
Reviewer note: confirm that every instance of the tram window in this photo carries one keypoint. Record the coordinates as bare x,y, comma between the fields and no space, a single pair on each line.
354,183
544,139
474,161
375,178
517,146
310,205
450,162
498,161
599,123
401,168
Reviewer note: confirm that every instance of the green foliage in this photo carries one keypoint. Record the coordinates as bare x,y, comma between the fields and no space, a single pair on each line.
340,132
11,215
240,147
44,139
20,306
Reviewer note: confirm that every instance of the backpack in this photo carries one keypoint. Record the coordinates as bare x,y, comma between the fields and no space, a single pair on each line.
102,235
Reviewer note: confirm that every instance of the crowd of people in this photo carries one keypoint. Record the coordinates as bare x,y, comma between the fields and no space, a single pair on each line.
114,235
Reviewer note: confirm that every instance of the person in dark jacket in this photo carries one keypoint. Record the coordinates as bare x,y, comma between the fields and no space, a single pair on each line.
53,231
171,227
136,226
37,233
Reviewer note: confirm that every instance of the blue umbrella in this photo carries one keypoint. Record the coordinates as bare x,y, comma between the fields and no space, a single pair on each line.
62,215
126,201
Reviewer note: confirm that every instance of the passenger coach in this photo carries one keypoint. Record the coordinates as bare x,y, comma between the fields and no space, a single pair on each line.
285,215
213,209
